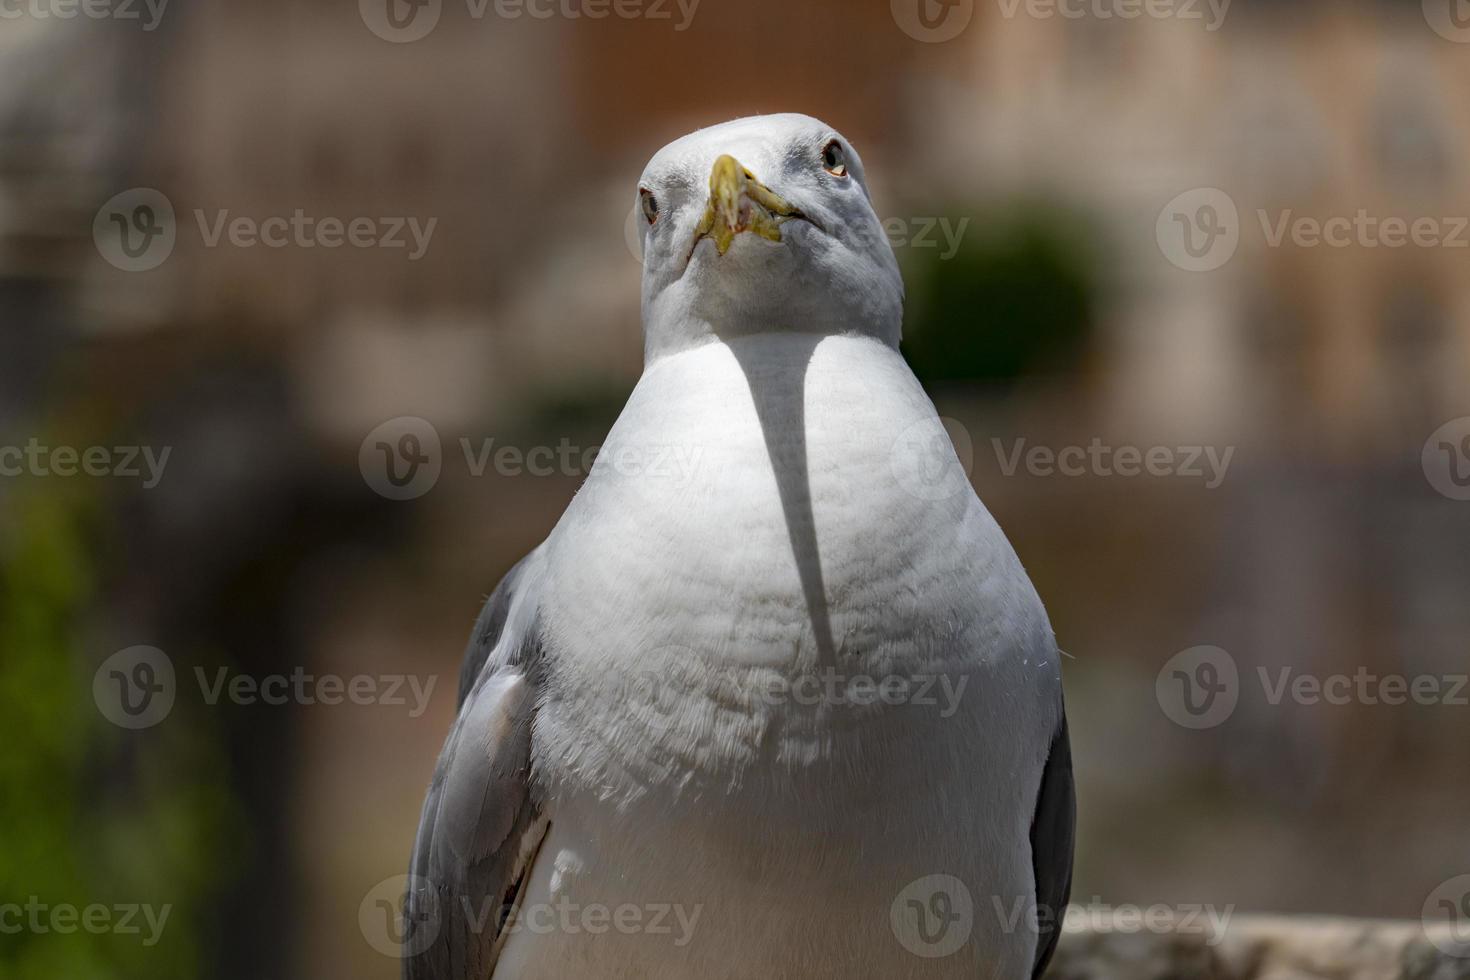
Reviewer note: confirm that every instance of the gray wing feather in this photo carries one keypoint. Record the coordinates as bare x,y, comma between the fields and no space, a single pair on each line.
489,626
480,827
1053,839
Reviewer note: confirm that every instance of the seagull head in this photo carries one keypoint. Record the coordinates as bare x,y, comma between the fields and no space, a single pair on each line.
762,225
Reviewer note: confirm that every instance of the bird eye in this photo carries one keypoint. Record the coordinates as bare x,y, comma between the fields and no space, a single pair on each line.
834,160
649,204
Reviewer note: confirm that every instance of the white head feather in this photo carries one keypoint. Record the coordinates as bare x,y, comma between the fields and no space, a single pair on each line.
832,273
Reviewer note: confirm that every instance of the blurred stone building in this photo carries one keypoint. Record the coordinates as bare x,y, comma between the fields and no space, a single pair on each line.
265,111
1324,368
1310,110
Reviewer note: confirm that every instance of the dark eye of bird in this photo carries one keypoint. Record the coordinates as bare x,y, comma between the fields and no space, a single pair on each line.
834,159
649,203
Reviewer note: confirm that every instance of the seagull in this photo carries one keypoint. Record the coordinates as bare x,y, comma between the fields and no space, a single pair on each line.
776,697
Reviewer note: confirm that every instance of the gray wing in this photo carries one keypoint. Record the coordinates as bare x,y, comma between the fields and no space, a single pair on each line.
490,625
1053,837
481,828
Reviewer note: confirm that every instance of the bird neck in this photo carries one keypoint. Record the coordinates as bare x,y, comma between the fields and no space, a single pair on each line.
664,336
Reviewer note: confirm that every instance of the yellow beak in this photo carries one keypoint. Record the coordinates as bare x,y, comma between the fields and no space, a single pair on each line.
738,202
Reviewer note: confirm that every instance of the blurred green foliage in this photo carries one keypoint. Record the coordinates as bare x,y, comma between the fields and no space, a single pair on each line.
1017,298
585,405
91,815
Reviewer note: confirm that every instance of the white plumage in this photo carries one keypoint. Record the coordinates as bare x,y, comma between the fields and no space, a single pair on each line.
704,641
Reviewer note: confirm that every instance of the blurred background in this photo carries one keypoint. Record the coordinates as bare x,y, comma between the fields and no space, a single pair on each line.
1086,198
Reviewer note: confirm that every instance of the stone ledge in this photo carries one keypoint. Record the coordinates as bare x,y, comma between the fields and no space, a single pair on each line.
1262,947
